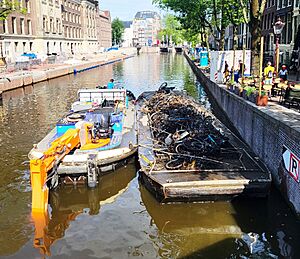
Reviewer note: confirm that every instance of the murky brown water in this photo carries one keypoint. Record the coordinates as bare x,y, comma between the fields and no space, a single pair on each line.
120,219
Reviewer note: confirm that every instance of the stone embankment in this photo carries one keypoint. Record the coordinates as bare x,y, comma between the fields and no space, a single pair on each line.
273,133
9,81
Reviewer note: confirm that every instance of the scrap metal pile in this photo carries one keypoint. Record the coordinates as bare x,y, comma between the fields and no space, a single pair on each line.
184,135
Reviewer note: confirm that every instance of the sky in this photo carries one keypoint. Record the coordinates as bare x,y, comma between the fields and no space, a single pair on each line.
126,9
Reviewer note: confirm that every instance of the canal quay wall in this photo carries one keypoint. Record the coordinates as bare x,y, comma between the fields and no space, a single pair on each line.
15,80
273,133
146,49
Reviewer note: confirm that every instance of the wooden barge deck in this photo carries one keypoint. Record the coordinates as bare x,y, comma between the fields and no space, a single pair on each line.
248,178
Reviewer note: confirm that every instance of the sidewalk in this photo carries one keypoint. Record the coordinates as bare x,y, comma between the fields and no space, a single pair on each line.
12,80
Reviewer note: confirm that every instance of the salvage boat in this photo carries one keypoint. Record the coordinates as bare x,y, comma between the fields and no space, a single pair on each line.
95,137
187,154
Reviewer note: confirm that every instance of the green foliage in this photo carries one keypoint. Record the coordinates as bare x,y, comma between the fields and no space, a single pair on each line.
263,93
117,30
249,90
206,16
171,27
191,36
9,6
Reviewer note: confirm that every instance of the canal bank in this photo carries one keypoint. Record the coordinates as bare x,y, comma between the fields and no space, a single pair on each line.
12,81
273,133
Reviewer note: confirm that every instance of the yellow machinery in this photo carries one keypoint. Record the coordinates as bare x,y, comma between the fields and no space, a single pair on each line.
39,168
39,171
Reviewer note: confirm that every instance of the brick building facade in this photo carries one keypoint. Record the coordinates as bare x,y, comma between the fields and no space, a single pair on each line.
61,27
104,29
17,32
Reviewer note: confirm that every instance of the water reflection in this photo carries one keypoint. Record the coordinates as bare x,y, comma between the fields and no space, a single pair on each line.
191,230
68,202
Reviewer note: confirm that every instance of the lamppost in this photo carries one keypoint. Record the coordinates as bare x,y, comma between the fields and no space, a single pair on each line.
278,26
298,67
2,59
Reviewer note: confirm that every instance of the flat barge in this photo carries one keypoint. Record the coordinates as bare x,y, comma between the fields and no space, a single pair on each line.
164,49
233,170
179,49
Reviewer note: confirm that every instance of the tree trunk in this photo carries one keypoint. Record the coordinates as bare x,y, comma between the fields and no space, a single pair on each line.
257,8
222,37
255,45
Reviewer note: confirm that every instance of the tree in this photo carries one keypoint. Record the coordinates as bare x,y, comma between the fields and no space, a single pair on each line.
206,16
117,31
257,8
171,28
9,6
213,16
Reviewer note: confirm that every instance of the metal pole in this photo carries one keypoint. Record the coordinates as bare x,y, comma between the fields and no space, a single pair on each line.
277,55
244,57
1,51
261,64
298,68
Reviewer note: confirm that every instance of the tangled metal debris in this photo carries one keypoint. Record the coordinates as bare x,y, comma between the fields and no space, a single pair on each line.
184,135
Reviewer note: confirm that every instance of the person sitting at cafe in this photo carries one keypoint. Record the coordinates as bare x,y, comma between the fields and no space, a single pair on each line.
283,73
268,73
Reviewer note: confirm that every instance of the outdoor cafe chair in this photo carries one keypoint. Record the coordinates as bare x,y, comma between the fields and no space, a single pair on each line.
268,88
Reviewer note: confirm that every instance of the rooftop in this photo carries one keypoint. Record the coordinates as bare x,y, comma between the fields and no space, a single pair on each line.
127,24
147,15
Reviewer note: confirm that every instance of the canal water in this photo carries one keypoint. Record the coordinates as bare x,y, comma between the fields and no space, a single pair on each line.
120,219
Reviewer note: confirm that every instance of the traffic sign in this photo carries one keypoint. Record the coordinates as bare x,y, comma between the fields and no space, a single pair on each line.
291,163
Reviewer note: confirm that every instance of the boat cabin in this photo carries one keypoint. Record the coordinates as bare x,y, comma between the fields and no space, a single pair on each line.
87,98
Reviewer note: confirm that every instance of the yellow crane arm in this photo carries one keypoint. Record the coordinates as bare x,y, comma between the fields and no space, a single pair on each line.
39,168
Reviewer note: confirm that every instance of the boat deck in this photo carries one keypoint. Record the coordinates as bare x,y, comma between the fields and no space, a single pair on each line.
75,163
239,171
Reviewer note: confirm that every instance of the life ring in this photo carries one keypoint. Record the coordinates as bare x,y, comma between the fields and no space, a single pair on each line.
75,117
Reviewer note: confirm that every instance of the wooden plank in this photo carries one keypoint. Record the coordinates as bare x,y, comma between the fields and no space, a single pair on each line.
207,183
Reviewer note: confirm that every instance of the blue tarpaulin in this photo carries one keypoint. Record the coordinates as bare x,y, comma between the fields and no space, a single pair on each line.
30,55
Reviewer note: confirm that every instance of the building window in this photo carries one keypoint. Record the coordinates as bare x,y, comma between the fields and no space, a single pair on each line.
14,25
51,25
27,6
5,26
289,28
30,46
44,24
22,25
16,46
57,26
29,28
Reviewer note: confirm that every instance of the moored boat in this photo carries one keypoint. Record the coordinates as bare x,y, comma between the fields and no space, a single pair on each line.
186,154
164,49
179,49
95,137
